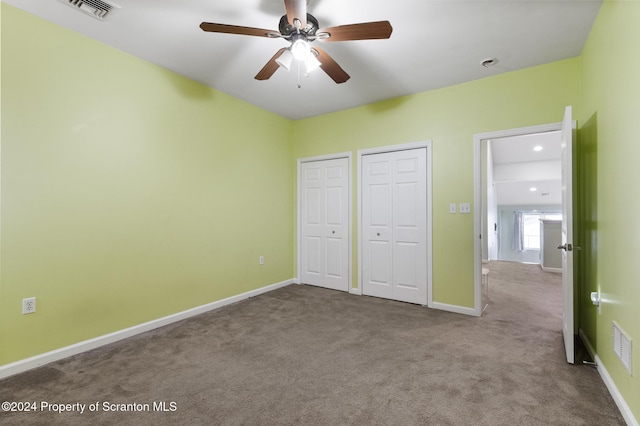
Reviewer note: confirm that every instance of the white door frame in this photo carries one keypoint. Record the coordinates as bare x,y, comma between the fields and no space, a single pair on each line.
393,148
477,196
336,156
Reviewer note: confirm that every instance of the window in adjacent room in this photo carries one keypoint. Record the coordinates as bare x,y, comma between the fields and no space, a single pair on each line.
531,228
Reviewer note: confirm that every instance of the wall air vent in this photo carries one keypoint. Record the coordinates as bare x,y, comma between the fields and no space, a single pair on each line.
99,9
622,347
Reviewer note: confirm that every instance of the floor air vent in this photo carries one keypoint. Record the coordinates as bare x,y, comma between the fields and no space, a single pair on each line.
97,8
622,346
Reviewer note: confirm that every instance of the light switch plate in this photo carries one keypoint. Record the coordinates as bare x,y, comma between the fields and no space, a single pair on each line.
452,208
465,208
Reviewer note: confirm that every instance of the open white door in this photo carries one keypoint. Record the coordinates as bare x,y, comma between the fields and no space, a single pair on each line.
567,234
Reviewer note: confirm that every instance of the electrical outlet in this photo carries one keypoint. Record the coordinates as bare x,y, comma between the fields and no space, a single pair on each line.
29,305
262,260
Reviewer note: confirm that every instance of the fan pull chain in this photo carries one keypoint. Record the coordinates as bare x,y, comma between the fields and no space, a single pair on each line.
299,80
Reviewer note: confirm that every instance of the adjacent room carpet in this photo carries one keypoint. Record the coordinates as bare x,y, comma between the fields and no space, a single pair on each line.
304,355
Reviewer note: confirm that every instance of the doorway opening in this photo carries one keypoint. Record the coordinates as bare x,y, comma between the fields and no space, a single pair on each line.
566,129
515,187
522,208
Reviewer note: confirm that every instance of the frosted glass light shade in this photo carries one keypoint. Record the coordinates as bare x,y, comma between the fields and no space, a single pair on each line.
311,63
300,50
285,59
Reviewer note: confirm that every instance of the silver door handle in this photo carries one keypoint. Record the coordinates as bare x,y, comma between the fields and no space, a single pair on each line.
566,247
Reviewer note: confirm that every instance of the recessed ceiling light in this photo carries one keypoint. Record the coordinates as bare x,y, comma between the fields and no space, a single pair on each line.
489,62
537,148
533,189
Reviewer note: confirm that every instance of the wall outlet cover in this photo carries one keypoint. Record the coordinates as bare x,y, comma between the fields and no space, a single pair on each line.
29,305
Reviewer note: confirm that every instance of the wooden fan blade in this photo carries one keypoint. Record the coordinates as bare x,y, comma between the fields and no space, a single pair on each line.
364,31
296,9
271,67
235,29
331,67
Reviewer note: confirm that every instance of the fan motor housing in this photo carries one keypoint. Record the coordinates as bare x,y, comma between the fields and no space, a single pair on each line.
286,29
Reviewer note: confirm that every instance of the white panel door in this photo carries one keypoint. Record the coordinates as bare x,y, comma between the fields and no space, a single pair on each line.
567,234
394,225
324,230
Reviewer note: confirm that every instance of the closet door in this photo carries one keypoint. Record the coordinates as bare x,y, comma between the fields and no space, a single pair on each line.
324,231
394,225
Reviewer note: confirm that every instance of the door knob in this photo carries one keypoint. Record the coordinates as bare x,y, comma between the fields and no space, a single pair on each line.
566,247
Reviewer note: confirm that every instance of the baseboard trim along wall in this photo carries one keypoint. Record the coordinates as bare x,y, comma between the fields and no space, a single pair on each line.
87,345
608,381
454,308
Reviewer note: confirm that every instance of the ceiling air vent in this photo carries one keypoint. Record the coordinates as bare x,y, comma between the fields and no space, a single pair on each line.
99,9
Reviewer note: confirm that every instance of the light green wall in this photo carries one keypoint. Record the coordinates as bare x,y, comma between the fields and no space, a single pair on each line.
449,117
128,192
611,108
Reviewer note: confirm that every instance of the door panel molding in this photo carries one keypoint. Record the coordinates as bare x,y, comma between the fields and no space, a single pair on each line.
361,232
299,195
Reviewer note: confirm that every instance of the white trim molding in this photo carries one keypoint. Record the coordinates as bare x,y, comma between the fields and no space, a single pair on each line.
87,345
587,344
624,408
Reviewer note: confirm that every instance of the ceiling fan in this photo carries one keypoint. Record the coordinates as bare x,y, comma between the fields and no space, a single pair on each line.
301,28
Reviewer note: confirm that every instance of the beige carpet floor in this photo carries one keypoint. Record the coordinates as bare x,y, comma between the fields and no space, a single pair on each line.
304,355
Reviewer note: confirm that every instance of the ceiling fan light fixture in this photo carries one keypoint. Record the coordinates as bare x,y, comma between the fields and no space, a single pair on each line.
312,63
285,59
300,50
300,29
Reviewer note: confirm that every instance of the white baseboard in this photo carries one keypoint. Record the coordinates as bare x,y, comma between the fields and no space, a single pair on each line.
608,381
587,344
554,270
87,345
355,290
615,394
454,308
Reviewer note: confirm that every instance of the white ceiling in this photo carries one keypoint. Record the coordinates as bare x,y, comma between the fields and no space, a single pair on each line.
435,43
518,168
519,149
